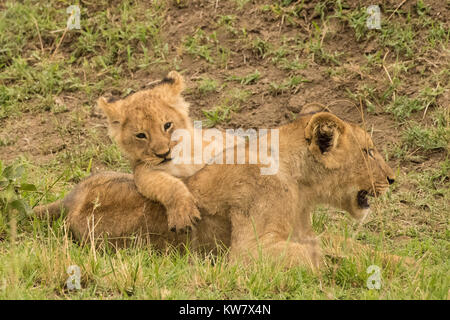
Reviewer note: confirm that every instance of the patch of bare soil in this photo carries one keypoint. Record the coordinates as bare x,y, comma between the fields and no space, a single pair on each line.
40,136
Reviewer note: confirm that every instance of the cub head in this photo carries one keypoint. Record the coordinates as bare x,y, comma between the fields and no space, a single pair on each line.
142,123
351,168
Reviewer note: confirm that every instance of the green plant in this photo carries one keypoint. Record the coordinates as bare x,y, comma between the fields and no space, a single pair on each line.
260,48
367,94
433,137
11,193
401,38
237,95
424,138
241,3
438,34
291,65
201,45
218,114
421,8
207,85
250,78
289,84
316,47
402,107
357,20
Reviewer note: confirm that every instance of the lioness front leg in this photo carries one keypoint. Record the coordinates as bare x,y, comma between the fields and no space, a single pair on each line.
288,253
253,240
339,246
305,253
180,204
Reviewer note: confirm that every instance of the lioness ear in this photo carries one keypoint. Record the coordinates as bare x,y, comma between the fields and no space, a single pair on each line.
312,108
174,82
111,109
324,137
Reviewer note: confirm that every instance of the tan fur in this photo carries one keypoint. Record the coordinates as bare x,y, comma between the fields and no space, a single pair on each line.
146,112
156,174
323,160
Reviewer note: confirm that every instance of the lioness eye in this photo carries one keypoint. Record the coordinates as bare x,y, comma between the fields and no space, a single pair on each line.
369,152
167,126
141,136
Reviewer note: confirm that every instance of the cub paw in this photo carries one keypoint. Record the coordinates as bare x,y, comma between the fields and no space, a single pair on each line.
183,217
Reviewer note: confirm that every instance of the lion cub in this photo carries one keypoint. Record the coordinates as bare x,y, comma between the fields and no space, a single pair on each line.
142,124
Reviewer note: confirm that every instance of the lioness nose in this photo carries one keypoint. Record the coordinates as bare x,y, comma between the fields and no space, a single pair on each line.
390,180
162,155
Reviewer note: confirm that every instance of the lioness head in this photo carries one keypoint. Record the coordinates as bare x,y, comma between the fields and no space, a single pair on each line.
142,123
351,164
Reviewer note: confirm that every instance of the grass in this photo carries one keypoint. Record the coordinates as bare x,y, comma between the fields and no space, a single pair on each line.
233,100
247,79
292,83
207,85
427,138
35,260
218,115
402,107
250,62
400,38
200,45
319,53
260,48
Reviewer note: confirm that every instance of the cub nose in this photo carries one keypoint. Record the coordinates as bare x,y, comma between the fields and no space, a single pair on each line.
390,180
162,155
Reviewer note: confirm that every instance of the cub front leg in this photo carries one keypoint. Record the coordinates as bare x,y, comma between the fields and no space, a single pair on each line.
180,204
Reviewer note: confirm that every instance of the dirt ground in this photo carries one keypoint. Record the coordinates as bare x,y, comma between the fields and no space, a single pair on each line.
39,136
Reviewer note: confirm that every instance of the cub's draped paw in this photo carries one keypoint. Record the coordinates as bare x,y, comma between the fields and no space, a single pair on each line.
183,216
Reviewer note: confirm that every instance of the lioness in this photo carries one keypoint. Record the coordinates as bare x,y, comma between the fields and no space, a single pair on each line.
322,160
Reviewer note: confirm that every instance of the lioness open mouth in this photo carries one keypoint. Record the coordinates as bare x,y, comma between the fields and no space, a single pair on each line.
361,197
165,160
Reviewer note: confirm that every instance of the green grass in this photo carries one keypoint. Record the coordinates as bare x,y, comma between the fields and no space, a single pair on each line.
247,79
319,53
200,45
218,115
233,100
400,38
36,258
251,59
402,107
260,48
292,84
32,79
207,85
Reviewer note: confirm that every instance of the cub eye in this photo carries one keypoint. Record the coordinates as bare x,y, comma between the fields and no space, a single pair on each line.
141,136
167,126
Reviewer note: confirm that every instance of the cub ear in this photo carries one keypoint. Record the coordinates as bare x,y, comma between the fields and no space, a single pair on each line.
111,109
172,86
174,82
324,135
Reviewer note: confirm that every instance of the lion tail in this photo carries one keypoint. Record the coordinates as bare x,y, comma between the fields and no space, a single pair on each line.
52,211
